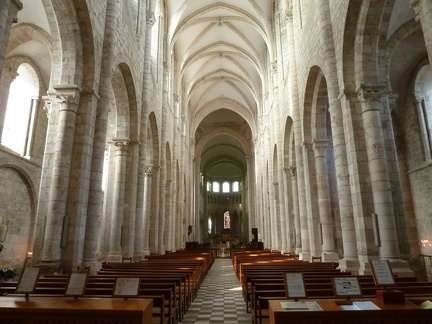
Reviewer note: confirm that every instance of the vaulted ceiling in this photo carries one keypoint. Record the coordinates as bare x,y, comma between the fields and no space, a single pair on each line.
222,51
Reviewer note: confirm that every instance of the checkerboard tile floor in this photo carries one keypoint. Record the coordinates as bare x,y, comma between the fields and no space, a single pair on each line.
219,298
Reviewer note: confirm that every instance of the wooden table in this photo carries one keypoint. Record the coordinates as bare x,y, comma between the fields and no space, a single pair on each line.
36,309
333,313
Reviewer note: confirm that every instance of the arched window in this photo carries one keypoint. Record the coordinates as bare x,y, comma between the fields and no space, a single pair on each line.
216,187
225,187
236,186
20,111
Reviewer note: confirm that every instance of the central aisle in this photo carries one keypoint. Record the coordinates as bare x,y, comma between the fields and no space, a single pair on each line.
219,298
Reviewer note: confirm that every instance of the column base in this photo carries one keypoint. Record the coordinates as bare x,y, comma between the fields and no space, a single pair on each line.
114,257
305,256
50,267
349,265
330,257
298,250
401,268
137,257
94,265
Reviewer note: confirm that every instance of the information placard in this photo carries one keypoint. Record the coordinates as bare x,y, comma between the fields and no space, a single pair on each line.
76,284
381,272
294,285
27,281
126,287
346,286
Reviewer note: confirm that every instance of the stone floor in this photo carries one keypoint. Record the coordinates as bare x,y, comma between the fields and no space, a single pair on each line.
219,298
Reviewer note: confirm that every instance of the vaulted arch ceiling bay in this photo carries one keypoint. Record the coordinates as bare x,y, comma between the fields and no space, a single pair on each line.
221,50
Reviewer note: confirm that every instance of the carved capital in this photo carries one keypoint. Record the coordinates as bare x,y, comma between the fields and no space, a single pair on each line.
67,96
320,147
121,145
293,171
150,18
47,105
149,171
367,92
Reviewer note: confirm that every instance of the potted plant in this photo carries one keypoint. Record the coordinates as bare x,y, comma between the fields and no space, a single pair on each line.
7,272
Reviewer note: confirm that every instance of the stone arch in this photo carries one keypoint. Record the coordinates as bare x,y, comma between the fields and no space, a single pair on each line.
152,144
18,212
126,104
14,62
246,145
349,38
227,103
366,45
72,33
310,98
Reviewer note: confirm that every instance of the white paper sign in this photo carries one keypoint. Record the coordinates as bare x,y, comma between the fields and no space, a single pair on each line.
28,280
346,286
126,287
76,284
294,284
382,272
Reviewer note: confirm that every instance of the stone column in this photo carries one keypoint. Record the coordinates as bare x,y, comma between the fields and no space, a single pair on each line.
297,226
312,211
369,96
289,221
8,16
423,127
143,229
253,222
423,10
30,128
324,205
56,218
195,236
154,211
294,95
116,230
275,219
169,225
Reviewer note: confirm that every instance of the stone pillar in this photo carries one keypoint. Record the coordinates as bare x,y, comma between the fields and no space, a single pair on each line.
288,240
8,16
423,127
252,221
369,96
169,218
294,95
311,205
116,230
143,229
423,10
295,208
130,202
324,205
195,221
30,127
56,219
154,211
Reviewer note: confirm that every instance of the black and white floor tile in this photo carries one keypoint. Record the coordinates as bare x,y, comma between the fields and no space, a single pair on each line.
219,298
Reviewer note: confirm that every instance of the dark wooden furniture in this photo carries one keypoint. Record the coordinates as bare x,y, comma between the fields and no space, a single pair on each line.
35,309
